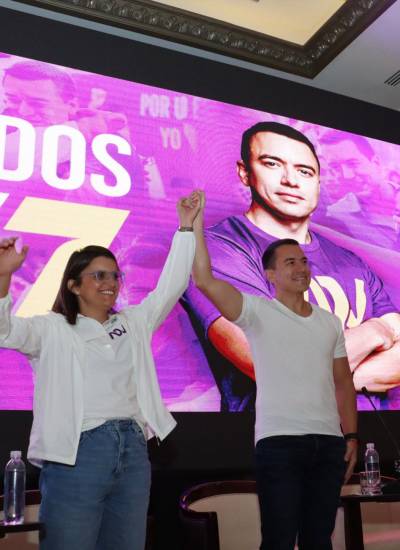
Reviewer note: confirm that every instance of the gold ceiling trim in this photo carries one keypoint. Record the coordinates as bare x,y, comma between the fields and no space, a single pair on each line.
162,21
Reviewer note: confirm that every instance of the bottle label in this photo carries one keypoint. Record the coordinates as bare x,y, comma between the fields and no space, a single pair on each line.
372,467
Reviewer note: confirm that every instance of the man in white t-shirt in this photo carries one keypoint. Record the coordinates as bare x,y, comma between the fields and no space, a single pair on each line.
305,396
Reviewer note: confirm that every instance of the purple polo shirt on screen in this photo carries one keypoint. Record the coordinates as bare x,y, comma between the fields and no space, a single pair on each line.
341,279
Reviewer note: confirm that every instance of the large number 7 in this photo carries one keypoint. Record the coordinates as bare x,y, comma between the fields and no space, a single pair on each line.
85,224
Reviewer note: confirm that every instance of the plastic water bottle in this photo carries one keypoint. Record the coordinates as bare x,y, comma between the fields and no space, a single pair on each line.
372,469
14,489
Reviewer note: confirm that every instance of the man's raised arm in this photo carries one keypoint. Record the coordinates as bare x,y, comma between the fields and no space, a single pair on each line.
224,296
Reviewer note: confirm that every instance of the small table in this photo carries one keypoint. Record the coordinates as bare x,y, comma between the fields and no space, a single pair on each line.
32,498
27,526
353,531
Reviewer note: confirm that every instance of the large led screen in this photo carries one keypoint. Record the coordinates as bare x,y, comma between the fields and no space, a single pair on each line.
90,159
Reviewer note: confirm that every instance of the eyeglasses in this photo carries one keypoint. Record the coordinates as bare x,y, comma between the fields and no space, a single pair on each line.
101,276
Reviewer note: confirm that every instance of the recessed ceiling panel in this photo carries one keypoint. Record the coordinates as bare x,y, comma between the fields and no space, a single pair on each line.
291,20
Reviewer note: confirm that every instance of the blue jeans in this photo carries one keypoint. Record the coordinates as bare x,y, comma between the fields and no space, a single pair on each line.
298,482
101,502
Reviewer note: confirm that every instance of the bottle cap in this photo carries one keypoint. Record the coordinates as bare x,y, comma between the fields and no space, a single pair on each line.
15,454
370,445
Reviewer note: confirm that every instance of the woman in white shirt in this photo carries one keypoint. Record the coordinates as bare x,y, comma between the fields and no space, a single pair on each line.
96,397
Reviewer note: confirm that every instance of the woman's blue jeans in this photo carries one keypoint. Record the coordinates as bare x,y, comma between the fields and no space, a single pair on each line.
298,481
100,503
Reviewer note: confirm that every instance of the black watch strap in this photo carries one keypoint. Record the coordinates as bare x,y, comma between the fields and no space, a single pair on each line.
351,435
183,228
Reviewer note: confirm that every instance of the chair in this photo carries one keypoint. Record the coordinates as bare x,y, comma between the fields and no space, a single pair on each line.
221,515
224,515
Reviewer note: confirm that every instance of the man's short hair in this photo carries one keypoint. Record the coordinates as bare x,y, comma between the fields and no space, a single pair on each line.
274,128
269,256
34,70
337,136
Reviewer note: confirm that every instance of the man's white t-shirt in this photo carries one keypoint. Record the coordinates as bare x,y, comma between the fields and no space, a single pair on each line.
293,361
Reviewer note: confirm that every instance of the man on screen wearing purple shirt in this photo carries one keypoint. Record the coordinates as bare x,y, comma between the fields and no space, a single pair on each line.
281,167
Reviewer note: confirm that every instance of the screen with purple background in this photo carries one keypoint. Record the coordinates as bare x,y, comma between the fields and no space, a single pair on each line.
90,159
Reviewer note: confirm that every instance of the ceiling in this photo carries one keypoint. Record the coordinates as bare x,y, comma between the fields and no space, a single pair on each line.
351,47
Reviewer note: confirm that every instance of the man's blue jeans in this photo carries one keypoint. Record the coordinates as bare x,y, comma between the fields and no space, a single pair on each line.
298,481
101,502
